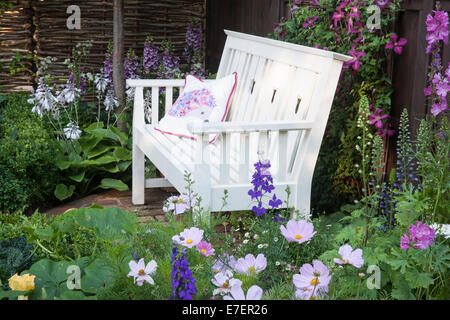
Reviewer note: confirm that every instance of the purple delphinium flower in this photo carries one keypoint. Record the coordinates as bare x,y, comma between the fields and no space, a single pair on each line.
420,236
183,283
396,44
193,41
262,182
275,202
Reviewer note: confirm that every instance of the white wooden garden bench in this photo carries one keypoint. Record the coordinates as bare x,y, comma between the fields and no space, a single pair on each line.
280,107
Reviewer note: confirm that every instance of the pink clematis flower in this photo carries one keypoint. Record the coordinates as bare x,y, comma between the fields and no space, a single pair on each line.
354,63
205,248
253,293
350,256
141,273
309,22
251,265
377,118
396,44
298,231
337,16
383,3
385,131
189,237
312,280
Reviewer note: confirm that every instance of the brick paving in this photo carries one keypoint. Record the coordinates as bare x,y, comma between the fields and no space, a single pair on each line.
152,209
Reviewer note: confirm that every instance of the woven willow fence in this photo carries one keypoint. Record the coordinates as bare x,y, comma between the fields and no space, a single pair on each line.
39,29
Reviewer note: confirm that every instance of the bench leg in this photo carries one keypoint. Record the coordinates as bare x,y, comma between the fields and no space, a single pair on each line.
303,203
138,172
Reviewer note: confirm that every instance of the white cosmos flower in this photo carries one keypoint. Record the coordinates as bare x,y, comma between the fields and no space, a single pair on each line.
189,237
141,273
254,293
251,265
222,281
72,131
442,229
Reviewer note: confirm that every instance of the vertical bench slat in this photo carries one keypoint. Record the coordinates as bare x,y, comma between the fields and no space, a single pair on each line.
225,158
244,158
155,105
169,98
282,155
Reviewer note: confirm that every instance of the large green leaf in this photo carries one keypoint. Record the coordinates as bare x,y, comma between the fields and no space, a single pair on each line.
98,150
108,183
78,177
62,192
52,276
98,275
97,162
124,165
10,294
89,142
122,154
123,138
108,222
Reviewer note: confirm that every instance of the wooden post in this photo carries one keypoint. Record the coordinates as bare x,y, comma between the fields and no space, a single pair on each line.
118,70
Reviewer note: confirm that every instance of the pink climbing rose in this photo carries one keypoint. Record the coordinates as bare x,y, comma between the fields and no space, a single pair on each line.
350,256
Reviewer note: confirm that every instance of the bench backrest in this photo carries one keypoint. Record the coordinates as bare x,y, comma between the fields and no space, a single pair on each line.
281,81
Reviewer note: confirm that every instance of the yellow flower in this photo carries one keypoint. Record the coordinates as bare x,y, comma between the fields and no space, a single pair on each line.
21,283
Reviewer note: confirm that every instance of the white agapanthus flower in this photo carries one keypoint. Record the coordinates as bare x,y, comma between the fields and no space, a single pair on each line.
141,273
72,131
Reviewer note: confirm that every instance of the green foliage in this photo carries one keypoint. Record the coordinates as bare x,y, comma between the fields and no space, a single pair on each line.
336,180
98,159
27,153
15,256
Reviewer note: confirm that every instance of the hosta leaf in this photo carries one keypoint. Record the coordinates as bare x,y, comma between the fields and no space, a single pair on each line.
122,154
108,183
63,192
78,177
124,165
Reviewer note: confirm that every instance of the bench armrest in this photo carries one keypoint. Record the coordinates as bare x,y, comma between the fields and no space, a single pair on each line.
247,127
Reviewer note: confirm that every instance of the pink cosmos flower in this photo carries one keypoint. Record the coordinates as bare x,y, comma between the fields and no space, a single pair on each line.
350,256
251,265
141,273
205,248
312,278
396,44
189,237
420,236
253,293
377,118
298,231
